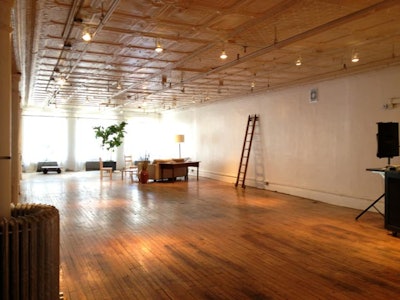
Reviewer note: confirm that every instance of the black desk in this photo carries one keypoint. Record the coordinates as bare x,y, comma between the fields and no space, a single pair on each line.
392,201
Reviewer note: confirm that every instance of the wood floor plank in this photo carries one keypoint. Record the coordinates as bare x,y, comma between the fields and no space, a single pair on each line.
208,240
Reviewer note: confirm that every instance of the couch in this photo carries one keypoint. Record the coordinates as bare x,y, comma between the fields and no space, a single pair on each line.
155,171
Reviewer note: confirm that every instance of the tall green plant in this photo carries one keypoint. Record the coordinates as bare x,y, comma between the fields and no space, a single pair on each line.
111,136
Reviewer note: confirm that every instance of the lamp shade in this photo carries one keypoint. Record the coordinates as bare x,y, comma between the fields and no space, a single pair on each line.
179,138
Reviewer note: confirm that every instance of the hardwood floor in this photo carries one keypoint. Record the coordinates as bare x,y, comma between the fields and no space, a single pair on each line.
207,240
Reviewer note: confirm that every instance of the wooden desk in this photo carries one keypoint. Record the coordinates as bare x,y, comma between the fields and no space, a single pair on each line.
174,165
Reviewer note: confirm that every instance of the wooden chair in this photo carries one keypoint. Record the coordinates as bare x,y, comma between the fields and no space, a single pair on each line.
105,170
129,167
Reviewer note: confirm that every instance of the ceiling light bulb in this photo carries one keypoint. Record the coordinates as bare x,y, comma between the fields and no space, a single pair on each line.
223,55
355,58
86,36
298,62
61,80
158,49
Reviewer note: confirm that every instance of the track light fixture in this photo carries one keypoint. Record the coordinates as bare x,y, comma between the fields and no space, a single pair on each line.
223,55
354,57
61,80
158,48
86,36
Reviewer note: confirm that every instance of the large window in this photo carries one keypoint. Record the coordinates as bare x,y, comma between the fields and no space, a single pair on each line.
43,139
71,141
87,147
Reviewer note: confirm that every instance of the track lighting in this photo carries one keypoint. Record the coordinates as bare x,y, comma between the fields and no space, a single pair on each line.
223,55
354,57
158,48
61,80
86,36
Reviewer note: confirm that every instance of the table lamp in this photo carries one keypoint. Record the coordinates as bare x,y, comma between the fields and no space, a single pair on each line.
179,138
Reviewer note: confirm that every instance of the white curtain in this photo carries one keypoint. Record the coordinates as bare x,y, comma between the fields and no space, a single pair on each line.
87,147
43,139
71,141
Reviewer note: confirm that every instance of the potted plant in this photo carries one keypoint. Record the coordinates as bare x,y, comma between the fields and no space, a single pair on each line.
112,136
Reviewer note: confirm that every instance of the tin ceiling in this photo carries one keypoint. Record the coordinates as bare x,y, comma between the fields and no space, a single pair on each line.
263,39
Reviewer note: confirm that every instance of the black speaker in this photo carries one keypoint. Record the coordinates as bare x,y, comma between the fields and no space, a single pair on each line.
388,139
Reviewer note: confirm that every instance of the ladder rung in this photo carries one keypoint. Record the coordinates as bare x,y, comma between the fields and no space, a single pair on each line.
251,123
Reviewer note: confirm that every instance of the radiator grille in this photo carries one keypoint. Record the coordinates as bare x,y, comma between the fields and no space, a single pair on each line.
30,243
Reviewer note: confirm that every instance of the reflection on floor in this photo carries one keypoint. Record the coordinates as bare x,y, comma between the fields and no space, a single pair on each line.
208,240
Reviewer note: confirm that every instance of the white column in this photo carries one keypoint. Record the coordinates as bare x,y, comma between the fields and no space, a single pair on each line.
16,169
5,108
71,163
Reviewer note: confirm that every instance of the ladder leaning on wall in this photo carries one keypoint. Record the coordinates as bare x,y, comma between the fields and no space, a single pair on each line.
244,159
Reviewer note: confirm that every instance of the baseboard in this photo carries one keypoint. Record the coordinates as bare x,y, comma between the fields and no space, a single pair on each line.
326,197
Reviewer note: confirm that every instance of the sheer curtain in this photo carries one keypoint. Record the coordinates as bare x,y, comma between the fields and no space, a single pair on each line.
87,147
71,141
43,139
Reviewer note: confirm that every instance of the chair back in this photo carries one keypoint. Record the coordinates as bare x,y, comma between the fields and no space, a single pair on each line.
100,163
128,161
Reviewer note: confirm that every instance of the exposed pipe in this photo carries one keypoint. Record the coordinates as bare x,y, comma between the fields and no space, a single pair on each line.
306,34
103,21
76,5
275,10
276,45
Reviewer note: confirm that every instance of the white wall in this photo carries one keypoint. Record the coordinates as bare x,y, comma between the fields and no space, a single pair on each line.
315,150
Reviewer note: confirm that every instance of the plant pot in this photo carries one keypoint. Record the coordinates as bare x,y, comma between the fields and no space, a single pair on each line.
144,176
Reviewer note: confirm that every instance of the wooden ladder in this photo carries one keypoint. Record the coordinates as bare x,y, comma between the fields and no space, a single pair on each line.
244,159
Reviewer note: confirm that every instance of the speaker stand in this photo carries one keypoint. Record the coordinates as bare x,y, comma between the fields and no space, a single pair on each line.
381,172
373,203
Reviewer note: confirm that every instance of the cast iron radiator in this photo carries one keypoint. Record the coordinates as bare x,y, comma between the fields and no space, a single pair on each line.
30,253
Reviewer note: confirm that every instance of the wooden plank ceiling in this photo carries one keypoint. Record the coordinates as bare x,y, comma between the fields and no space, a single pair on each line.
119,68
